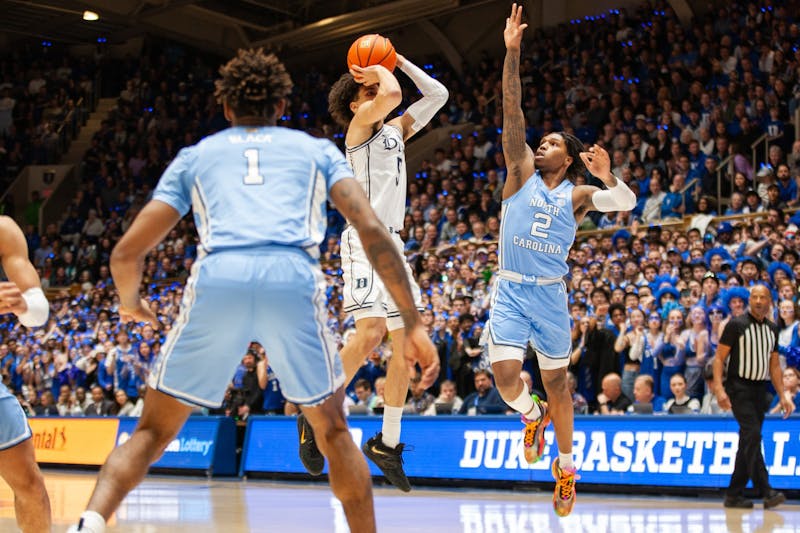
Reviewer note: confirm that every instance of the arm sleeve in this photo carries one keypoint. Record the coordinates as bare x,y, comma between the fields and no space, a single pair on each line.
617,198
38,308
434,95
174,188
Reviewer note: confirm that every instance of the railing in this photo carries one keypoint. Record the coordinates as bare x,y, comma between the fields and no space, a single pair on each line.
724,165
764,139
675,223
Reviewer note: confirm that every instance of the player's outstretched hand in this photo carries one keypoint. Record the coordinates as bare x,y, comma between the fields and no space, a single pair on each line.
419,348
140,313
512,34
11,300
597,161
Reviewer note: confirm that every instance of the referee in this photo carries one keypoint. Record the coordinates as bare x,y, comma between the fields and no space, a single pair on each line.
751,341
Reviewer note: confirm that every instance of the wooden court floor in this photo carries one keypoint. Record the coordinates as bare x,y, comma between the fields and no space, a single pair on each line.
192,505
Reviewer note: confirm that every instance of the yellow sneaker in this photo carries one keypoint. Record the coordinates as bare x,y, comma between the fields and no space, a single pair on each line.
533,433
564,495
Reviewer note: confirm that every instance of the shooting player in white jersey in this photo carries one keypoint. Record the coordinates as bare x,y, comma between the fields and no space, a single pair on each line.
541,211
22,295
360,101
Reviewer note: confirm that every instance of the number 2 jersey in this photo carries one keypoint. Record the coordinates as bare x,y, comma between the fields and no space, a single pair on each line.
379,165
255,187
537,229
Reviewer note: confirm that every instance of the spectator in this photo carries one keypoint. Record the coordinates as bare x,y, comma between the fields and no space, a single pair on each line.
447,402
680,403
579,404
791,390
644,400
123,405
420,401
99,406
485,400
611,401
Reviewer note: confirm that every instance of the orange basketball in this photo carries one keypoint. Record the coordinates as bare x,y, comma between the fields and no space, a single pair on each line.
372,49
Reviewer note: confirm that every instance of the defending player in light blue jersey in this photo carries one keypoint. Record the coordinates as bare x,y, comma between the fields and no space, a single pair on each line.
259,193
22,295
541,210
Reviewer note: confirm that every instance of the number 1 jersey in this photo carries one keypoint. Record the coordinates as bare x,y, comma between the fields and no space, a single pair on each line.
537,229
255,187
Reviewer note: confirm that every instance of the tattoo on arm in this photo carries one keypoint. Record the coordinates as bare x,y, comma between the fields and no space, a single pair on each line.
513,119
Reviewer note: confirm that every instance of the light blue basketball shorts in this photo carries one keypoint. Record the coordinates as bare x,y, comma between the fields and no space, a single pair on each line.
274,296
14,426
536,314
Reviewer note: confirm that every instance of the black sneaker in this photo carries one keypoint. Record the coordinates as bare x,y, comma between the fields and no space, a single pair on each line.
738,502
310,455
389,460
774,499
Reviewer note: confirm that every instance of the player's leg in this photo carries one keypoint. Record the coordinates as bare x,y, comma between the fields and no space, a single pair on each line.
506,337
370,331
302,352
551,340
385,448
195,366
162,418
19,469
348,472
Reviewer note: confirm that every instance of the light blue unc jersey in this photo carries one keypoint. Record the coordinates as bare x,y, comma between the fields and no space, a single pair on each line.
255,187
537,230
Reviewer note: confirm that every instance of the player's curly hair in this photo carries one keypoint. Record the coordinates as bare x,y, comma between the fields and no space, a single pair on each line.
343,92
252,83
574,149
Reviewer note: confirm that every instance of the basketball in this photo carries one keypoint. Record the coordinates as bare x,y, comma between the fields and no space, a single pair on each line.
372,49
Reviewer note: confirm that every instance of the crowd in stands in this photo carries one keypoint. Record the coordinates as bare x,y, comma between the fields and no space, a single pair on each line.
39,91
648,298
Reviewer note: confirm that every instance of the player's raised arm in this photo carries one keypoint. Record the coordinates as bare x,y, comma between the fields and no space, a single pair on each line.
387,94
617,197
22,293
518,156
434,96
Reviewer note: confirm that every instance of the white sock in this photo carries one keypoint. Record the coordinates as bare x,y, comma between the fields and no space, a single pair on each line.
92,522
565,460
391,425
524,404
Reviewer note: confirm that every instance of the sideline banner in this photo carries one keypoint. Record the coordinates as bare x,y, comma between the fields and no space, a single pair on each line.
673,451
73,441
204,443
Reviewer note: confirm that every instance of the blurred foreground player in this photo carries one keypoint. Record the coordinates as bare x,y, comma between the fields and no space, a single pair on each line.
23,296
258,192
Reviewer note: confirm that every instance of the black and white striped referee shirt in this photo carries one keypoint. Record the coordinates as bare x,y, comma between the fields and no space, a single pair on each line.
752,343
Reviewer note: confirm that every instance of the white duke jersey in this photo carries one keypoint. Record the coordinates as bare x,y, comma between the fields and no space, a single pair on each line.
255,187
538,229
379,165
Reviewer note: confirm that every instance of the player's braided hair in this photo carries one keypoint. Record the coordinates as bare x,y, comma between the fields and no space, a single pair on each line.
343,92
252,83
574,149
